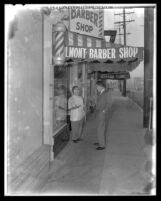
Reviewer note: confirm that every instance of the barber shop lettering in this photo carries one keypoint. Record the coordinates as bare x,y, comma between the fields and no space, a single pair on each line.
85,14
97,53
84,21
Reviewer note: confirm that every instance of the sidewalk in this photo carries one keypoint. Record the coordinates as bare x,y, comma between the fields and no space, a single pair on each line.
81,169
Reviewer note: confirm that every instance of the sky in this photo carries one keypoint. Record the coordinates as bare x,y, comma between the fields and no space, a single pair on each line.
136,28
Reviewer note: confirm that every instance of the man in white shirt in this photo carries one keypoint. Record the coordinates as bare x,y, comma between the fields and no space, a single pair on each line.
77,114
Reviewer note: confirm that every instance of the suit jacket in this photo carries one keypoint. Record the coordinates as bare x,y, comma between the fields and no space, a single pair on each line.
103,102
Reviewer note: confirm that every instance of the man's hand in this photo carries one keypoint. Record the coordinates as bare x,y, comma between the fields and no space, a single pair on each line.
75,107
61,108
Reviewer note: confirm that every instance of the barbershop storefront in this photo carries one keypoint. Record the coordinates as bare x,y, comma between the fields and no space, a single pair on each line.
75,58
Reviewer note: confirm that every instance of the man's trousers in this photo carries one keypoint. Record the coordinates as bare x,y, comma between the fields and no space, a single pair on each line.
101,128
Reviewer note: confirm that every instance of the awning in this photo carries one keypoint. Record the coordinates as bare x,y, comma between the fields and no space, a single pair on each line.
101,55
114,67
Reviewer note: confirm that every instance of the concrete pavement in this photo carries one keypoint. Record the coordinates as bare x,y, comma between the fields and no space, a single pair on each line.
80,169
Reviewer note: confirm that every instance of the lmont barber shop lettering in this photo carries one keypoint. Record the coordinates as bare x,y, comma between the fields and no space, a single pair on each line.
98,53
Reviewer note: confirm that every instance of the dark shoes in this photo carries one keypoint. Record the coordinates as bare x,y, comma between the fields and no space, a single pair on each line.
75,141
96,144
79,139
100,148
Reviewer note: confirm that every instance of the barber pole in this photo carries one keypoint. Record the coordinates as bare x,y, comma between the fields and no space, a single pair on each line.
101,23
59,43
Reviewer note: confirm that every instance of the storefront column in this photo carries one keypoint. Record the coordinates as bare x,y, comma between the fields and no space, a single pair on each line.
73,75
96,76
52,121
84,82
124,88
120,85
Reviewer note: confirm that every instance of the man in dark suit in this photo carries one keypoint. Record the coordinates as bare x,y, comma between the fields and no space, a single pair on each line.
103,105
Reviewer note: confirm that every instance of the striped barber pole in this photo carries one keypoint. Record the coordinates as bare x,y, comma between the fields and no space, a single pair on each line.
101,17
59,43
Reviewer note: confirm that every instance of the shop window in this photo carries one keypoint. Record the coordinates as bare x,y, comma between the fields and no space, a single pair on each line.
80,40
98,43
89,42
60,98
71,40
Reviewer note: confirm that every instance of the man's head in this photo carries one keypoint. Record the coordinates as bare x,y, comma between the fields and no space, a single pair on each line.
100,85
75,90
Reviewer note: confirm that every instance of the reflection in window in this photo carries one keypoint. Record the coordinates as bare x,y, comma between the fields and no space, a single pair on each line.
60,97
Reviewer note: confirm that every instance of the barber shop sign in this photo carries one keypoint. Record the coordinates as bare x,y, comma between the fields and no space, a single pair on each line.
98,53
87,22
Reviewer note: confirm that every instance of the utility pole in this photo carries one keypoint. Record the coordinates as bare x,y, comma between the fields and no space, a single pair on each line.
123,24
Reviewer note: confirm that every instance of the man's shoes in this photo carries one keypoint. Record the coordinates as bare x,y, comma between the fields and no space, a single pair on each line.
79,139
100,148
75,141
96,144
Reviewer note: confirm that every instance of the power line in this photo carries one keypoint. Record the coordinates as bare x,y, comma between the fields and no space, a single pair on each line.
123,23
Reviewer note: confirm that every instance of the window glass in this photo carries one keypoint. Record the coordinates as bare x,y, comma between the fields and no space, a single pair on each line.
98,43
80,40
60,97
89,42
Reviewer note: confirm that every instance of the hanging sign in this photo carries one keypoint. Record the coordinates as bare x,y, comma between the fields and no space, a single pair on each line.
106,76
87,22
100,53
114,76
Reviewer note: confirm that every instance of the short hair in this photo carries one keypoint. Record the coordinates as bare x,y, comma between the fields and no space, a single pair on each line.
100,83
74,87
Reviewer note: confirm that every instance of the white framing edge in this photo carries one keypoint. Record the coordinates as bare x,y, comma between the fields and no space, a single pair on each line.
108,5
6,112
154,103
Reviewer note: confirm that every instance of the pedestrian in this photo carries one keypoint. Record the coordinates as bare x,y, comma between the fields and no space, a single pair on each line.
77,114
103,105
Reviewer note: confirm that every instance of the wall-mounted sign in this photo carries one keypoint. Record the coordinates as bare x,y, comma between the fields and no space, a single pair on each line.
106,76
87,22
123,76
100,53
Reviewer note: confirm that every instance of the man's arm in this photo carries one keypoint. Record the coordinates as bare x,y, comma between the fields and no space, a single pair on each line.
62,108
70,107
73,108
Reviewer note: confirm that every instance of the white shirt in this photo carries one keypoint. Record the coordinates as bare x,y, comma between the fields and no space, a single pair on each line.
102,91
78,113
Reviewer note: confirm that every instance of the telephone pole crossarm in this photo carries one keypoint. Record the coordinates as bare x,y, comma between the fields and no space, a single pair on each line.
119,22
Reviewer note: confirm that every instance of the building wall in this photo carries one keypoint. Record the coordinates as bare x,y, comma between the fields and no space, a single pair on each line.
48,22
25,86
